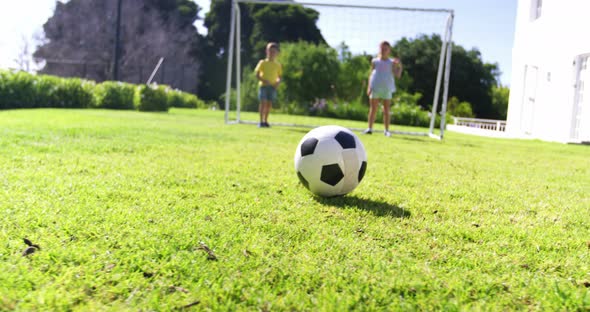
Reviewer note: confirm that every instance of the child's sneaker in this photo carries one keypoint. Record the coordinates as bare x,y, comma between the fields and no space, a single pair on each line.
266,125
261,124
387,133
368,131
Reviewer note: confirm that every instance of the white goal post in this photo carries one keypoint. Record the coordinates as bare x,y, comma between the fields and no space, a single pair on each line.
442,78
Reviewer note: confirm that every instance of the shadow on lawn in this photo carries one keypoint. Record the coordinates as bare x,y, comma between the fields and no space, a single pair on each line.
299,130
378,208
415,138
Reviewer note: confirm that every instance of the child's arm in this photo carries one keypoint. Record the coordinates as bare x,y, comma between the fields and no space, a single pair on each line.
279,77
397,68
276,84
259,76
369,79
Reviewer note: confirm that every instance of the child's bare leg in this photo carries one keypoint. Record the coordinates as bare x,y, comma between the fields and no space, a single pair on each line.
386,116
372,111
267,110
261,110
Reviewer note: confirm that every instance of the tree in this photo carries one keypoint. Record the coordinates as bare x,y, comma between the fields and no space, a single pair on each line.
471,78
217,22
500,96
309,71
283,23
81,33
213,50
23,60
353,74
458,108
260,23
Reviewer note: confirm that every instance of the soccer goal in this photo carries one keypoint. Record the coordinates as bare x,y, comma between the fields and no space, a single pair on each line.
360,28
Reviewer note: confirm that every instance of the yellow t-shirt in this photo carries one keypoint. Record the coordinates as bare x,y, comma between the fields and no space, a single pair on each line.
269,70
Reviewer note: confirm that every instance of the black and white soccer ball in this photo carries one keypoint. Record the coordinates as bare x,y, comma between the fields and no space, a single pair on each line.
330,161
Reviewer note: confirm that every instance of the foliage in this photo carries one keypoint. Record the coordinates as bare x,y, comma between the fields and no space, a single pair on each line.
500,98
352,76
342,110
339,87
125,214
309,71
115,95
259,25
177,98
249,91
212,78
458,108
282,23
471,78
406,111
218,23
74,93
17,90
24,90
152,98
183,12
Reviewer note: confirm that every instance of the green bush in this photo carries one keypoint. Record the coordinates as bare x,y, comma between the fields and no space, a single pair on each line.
152,98
57,92
459,109
249,91
410,115
404,111
24,90
46,94
352,77
74,93
500,98
115,95
309,71
17,90
351,111
177,98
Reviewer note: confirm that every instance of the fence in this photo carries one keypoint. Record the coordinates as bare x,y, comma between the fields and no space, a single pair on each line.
179,76
481,127
486,124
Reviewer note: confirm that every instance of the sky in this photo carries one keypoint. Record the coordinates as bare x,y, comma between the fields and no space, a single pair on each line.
485,25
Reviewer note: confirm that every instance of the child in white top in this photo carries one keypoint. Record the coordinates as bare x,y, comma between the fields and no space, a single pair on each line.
382,85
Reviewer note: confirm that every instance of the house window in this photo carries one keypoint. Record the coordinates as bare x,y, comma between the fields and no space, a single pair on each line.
536,8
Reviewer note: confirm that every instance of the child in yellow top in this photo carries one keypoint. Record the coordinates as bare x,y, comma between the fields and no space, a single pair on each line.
268,72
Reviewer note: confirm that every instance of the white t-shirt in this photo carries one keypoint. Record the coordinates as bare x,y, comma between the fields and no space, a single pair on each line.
382,75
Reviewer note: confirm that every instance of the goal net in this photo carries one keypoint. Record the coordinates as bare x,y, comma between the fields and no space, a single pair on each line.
352,30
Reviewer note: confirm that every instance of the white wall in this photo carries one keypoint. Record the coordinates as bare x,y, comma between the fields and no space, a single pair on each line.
550,43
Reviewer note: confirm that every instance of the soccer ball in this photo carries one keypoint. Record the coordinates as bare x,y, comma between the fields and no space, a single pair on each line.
330,161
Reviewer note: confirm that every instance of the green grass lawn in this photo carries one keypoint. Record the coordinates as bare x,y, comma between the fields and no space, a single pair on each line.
122,204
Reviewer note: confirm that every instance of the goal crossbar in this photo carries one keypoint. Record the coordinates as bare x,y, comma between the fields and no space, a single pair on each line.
337,5
443,73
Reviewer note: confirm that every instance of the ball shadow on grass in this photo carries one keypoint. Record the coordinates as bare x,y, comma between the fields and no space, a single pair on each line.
378,208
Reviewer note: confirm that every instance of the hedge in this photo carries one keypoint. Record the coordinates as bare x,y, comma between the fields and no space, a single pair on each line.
25,90
115,95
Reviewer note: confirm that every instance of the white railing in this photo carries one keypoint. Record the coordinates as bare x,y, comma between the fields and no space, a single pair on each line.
485,124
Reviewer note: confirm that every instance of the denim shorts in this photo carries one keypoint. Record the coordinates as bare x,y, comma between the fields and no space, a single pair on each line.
267,93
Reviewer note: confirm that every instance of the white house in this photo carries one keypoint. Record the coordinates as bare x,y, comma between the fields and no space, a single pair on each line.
550,88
